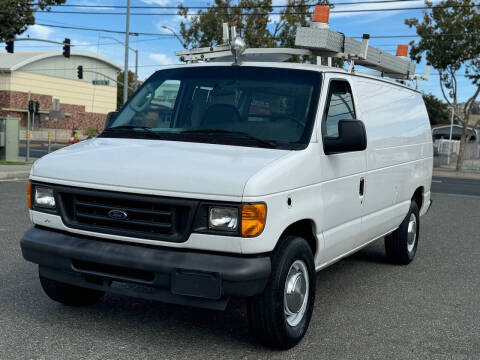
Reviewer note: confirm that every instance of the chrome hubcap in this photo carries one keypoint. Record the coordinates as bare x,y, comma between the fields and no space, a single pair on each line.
296,293
412,232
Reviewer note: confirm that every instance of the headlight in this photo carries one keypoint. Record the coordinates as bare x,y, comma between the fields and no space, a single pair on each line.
223,218
44,197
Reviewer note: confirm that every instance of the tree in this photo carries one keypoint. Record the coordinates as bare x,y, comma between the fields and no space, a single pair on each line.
251,18
437,110
131,84
17,15
451,43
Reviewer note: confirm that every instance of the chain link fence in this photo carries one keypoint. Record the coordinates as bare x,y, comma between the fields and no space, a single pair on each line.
445,154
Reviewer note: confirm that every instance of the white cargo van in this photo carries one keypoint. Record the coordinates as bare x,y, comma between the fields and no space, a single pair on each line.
218,180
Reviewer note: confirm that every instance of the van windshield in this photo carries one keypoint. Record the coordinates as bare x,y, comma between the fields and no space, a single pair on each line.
234,105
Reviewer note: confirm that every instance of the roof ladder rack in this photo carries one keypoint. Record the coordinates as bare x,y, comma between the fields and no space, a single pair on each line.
316,40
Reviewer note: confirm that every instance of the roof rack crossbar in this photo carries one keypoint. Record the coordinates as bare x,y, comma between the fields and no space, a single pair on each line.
224,51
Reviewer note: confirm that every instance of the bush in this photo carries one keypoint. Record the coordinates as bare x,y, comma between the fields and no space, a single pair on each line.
91,131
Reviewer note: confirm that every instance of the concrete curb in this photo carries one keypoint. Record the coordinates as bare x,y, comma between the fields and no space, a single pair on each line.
14,172
14,175
456,175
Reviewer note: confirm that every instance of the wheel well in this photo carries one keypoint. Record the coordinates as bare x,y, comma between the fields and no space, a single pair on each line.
418,197
306,229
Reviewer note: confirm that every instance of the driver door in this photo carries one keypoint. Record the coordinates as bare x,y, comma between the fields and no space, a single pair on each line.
343,176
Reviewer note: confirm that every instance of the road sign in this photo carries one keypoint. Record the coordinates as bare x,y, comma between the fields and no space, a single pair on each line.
56,104
100,82
56,114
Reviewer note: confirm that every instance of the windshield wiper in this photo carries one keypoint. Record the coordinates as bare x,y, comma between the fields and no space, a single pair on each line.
266,143
133,127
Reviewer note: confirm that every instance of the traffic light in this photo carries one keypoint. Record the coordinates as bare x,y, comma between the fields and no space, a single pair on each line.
30,106
37,107
9,46
80,71
66,47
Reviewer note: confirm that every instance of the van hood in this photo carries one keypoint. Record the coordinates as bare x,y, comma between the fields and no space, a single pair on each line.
156,165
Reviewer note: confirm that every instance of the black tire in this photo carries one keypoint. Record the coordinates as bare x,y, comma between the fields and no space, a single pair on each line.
266,315
397,243
69,294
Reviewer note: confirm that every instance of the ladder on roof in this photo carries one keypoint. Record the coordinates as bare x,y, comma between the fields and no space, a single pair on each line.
317,40
329,43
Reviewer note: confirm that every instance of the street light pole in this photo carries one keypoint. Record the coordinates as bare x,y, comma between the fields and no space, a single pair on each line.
125,74
136,56
174,34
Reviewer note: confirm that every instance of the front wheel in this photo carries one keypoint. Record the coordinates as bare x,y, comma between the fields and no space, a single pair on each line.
401,245
279,317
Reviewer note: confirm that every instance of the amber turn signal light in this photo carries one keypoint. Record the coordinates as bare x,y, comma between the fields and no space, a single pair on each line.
253,219
29,194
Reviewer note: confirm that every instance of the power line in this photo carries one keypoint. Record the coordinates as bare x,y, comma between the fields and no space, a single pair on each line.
255,14
170,35
165,7
87,44
133,33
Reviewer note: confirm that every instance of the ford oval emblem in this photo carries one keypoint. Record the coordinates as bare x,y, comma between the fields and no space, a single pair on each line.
117,214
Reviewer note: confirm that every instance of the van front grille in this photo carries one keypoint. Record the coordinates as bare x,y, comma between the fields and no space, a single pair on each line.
139,216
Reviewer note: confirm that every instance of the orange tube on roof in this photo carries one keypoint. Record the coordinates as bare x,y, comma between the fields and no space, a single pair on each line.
402,50
321,14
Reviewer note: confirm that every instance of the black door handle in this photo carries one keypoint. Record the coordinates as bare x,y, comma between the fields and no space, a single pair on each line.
362,186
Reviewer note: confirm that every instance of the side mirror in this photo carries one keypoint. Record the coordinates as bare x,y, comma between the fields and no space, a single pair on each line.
111,116
351,137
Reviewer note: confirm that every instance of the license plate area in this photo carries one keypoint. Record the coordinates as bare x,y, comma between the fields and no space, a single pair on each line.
195,283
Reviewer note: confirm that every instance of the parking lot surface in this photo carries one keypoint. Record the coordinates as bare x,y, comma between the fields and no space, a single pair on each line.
366,308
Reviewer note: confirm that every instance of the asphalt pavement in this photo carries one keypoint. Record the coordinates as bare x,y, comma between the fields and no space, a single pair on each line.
366,308
38,148
456,186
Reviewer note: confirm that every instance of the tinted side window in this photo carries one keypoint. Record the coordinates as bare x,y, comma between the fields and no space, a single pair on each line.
339,106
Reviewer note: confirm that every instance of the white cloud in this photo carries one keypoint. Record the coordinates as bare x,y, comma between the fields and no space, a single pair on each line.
162,59
84,46
40,31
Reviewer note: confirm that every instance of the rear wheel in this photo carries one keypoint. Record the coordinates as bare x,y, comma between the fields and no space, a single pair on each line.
69,294
401,245
280,316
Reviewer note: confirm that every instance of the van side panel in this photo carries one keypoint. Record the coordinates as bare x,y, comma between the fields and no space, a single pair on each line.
399,152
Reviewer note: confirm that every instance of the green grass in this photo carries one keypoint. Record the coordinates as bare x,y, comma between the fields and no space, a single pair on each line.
2,162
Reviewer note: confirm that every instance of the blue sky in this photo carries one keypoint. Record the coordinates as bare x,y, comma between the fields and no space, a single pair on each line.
155,52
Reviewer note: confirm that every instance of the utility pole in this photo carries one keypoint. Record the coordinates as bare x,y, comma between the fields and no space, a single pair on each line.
27,136
125,74
136,70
